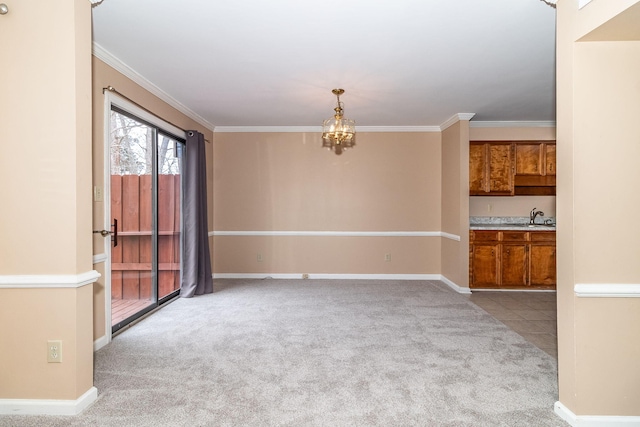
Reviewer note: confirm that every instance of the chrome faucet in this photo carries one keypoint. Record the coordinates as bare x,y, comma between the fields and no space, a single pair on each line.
533,214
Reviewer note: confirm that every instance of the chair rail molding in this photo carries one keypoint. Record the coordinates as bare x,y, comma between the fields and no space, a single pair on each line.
607,290
48,280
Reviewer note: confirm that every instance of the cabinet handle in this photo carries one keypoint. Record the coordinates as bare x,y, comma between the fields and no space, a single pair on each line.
508,253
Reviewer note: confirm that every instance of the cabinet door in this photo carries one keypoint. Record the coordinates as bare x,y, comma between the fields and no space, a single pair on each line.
477,169
542,265
501,169
529,159
484,265
513,265
550,159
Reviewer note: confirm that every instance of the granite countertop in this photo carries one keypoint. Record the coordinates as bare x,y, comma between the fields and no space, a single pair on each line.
518,223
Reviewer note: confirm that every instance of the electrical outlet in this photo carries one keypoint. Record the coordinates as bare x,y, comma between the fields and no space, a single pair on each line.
305,276
54,351
97,194
259,257
387,257
489,207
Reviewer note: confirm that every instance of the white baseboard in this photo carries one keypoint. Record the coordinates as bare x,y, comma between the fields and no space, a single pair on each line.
594,420
100,342
312,276
452,285
48,406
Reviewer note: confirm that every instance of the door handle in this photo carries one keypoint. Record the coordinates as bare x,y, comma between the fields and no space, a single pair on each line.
115,232
105,233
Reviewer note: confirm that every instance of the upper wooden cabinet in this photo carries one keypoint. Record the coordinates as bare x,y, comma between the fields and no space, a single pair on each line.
512,168
491,167
530,159
550,159
535,159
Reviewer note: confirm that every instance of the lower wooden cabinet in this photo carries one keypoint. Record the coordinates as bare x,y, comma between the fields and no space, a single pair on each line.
512,259
542,259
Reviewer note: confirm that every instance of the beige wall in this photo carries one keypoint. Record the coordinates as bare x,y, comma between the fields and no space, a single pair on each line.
598,92
455,203
265,182
511,206
45,169
103,76
45,117
520,133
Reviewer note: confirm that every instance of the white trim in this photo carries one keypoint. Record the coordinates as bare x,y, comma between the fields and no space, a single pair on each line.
398,128
318,129
106,57
582,3
530,291
450,236
594,420
452,285
48,406
606,290
313,276
325,276
106,187
51,281
514,124
101,342
268,129
338,233
455,119
98,258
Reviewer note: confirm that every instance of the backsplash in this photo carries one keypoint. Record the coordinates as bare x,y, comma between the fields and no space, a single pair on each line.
511,206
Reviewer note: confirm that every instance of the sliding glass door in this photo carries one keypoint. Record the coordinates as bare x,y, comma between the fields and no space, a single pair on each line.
145,191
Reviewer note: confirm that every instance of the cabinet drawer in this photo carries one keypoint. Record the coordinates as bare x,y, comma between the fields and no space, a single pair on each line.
484,235
519,236
543,236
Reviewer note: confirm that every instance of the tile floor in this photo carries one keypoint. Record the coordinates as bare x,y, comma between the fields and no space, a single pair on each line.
531,314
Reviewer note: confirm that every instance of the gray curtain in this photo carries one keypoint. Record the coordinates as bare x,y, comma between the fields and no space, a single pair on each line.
196,261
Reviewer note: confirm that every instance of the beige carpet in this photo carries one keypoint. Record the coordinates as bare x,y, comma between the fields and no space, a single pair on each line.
319,353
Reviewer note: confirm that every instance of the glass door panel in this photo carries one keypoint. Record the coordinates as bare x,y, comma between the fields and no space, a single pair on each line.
145,189
132,199
169,218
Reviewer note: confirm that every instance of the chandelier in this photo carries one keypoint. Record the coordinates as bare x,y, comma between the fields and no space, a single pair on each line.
338,133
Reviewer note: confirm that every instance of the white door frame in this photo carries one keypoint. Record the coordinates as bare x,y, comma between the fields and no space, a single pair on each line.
111,98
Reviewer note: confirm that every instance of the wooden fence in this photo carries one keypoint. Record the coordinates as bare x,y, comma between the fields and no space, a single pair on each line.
131,205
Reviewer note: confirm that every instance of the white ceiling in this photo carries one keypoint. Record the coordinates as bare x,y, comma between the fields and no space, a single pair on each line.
401,62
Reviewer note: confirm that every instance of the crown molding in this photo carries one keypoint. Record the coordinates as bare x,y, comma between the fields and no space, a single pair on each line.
398,128
514,124
106,57
455,119
318,129
267,129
